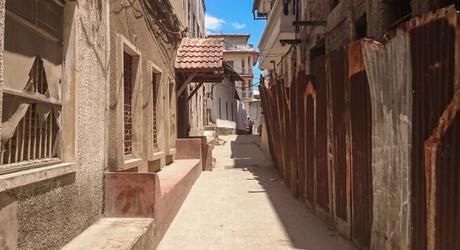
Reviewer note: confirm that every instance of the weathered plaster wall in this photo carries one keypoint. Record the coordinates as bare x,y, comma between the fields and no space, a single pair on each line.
153,49
49,214
225,92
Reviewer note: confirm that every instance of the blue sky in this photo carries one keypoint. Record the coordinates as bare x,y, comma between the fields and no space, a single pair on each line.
234,16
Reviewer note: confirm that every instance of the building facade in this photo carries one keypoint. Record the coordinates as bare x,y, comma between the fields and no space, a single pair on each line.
87,87
241,56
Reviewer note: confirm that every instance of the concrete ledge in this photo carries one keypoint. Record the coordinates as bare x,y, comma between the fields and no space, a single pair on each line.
171,188
131,163
115,233
129,194
26,177
189,148
196,147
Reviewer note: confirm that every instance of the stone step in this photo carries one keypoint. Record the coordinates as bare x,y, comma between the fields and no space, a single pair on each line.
115,233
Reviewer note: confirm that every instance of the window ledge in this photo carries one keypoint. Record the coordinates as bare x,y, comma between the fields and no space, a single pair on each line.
132,163
157,156
26,177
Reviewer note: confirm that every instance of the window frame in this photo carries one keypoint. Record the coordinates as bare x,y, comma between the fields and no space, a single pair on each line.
154,153
125,46
30,171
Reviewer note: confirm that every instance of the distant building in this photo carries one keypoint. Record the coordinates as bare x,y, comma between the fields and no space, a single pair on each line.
241,56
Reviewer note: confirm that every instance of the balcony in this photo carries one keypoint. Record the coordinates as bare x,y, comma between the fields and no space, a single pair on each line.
279,27
231,47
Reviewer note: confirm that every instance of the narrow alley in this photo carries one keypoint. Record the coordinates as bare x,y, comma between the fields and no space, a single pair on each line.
229,124
244,204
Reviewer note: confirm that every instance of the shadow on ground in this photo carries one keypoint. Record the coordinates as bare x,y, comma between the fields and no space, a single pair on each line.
304,230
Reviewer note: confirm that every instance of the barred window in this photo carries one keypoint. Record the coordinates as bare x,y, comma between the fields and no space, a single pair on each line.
154,113
31,103
127,105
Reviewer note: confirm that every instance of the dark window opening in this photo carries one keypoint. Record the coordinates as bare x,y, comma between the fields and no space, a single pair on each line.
401,11
154,112
444,3
316,52
333,3
127,107
232,112
220,109
361,27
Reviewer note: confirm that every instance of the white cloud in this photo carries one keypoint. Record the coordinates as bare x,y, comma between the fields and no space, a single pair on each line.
238,26
213,23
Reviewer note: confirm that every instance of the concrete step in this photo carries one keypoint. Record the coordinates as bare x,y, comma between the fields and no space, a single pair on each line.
115,233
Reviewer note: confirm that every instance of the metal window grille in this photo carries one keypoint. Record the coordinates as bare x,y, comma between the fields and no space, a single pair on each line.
154,113
32,140
127,107
35,135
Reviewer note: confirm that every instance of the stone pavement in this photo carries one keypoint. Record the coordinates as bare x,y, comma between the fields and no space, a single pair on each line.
243,204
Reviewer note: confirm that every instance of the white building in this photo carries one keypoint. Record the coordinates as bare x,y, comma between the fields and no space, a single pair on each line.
241,56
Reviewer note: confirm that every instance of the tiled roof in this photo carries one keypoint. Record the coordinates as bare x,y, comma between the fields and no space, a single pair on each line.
200,54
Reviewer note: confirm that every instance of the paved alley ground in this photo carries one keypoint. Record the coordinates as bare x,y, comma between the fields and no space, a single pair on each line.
243,204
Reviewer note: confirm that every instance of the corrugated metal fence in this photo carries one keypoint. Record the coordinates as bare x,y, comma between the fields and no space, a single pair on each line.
376,135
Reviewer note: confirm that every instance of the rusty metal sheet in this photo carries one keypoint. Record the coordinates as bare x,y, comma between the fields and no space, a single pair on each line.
310,150
336,71
432,45
389,73
292,138
321,151
361,150
447,200
301,130
284,107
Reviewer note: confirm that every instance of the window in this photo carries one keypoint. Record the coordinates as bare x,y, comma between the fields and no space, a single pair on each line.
401,11
31,105
361,27
127,104
444,3
243,66
154,111
226,110
232,112
333,3
45,15
249,65
220,109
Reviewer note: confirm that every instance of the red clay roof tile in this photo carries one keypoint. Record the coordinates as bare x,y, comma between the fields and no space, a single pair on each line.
200,54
